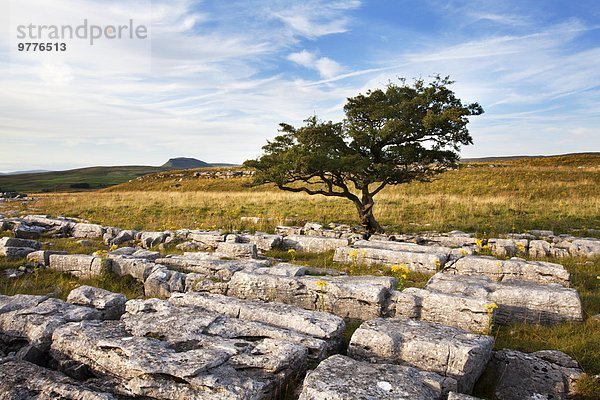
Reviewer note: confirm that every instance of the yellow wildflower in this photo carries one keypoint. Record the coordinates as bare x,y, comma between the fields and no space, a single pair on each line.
321,284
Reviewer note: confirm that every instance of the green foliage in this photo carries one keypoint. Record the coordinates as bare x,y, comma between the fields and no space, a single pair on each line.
401,134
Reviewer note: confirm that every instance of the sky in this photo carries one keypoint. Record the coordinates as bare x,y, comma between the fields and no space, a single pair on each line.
213,79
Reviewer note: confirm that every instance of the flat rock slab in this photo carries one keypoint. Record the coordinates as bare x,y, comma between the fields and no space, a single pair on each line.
432,347
209,367
82,266
512,375
131,266
263,241
459,311
427,263
342,378
587,247
162,319
360,297
15,242
15,253
208,240
313,323
111,305
210,264
414,247
87,231
513,269
237,250
518,301
41,258
313,244
33,319
22,380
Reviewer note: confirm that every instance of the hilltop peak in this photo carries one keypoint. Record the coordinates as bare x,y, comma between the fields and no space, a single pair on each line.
185,163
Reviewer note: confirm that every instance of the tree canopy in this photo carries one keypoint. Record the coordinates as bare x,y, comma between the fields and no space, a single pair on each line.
389,136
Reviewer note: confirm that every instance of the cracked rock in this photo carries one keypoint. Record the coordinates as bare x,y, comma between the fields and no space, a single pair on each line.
342,378
432,347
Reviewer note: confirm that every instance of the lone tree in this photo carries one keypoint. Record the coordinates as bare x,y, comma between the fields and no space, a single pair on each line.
401,134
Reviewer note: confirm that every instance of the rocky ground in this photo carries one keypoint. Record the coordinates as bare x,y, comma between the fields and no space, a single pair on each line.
221,321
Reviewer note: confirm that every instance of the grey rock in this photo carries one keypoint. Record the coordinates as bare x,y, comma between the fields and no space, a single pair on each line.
513,269
451,252
342,378
263,241
237,250
518,301
432,347
87,231
539,249
15,242
137,268
288,230
15,253
210,264
461,396
585,247
452,241
313,244
191,246
508,247
208,240
47,221
123,236
151,239
22,380
33,319
282,269
313,323
515,375
209,367
189,323
41,258
123,251
460,311
427,263
111,305
82,266
314,226
203,284
161,282
402,246
146,254
361,297
541,233
23,231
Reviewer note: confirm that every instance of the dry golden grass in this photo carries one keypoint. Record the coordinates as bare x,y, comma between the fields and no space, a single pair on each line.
561,194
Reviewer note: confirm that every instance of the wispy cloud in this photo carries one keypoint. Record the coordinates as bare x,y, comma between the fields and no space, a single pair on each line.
218,77
326,67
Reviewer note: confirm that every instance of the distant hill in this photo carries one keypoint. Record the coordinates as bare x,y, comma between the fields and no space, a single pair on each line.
569,158
91,177
33,171
185,163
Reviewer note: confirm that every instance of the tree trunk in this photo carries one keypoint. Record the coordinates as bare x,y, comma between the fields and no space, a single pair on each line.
367,219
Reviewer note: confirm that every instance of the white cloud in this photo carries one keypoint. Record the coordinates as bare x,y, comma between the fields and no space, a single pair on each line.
325,66
315,18
213,88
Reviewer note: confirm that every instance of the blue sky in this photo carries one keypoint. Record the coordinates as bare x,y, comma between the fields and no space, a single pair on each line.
214,78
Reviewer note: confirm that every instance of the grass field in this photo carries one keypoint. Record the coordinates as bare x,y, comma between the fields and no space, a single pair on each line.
488,198
561,194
